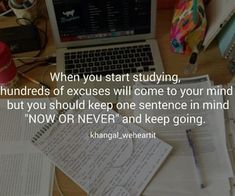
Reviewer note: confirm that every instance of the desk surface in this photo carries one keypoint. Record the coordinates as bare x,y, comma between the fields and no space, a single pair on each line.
210,62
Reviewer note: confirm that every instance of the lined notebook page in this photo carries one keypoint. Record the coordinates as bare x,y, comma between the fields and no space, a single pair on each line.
24,170
101,166
179,172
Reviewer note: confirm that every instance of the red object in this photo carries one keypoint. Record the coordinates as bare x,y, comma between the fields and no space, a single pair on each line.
7,65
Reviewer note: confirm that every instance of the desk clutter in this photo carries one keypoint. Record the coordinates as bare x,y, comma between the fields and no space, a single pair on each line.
200,161
195,26
183,161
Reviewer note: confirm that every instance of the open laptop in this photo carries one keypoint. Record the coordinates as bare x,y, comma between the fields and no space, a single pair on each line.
104,37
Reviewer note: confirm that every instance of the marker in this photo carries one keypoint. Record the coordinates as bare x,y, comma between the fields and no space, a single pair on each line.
196,160
33,80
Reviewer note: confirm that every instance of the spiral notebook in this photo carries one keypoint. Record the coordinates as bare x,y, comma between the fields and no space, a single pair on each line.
102,167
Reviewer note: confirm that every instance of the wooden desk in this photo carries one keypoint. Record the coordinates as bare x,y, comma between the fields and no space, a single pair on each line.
210,62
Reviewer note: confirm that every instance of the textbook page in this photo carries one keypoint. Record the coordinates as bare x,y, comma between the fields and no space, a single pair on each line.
24,170
179,175
103,167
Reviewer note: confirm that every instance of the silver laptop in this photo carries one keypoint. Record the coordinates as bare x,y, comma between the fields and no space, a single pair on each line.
104,37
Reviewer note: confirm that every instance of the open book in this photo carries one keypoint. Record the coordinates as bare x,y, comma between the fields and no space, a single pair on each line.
101,158
24,170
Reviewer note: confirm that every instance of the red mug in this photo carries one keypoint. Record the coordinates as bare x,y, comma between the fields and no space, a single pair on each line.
8,73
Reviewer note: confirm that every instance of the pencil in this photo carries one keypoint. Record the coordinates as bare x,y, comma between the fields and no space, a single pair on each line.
196,160
32,80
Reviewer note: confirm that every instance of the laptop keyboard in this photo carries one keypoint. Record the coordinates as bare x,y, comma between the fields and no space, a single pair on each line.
122,60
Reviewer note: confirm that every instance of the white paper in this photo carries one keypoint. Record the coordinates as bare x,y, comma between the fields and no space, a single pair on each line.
178,176
101,166
24,170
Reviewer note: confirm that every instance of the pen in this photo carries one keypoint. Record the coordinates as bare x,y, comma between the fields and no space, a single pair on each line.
195,157
33,80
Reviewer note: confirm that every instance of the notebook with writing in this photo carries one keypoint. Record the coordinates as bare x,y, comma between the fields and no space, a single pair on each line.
103,158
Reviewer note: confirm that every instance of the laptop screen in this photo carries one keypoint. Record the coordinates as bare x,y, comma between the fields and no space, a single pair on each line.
91,19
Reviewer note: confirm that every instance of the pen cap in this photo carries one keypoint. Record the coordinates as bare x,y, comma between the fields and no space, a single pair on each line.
7,66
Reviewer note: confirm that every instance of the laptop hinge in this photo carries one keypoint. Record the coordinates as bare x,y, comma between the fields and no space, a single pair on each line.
108,44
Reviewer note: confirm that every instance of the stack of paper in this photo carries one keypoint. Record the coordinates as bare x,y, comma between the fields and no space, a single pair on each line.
24,170
178,176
